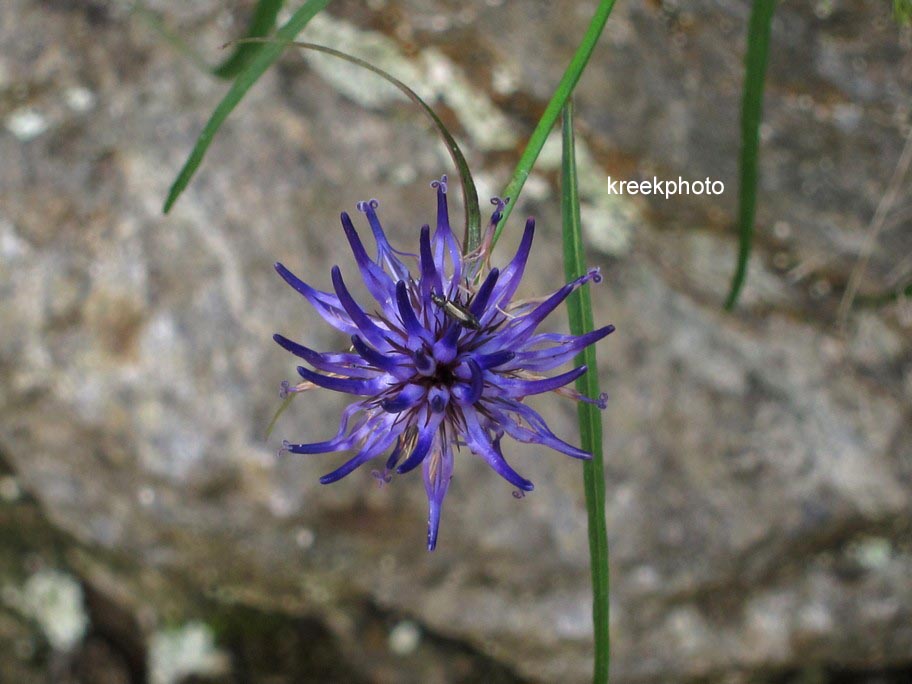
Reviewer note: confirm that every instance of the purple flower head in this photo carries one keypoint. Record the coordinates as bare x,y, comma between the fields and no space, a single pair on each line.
444,359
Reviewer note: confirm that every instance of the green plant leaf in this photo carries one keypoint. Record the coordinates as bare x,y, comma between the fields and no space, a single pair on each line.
579,309
758,39
261,61
262,21
553,109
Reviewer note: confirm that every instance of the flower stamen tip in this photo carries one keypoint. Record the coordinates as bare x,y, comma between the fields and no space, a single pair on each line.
382,477
499,205
365,206
440,184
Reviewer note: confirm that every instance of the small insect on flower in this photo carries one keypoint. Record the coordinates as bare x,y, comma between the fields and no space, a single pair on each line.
456,311
446,361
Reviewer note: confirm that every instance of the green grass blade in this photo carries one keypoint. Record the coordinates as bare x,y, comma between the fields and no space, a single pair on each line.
902,12
553,109
579,308
261,61
758,39
262,21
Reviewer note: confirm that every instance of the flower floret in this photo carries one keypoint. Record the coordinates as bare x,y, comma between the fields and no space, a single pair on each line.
445,361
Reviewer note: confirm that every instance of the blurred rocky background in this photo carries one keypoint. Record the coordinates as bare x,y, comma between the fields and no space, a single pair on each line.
759,465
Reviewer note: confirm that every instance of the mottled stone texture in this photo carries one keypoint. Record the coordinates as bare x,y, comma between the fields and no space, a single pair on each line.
759,464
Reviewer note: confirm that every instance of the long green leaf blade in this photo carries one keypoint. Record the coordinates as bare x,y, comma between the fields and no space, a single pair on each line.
902,12
262,21
258,64
553,109
758,39
579,309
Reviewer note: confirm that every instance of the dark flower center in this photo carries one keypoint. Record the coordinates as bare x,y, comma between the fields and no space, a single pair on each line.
443,377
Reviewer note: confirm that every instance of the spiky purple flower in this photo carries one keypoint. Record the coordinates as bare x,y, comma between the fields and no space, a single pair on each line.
444,360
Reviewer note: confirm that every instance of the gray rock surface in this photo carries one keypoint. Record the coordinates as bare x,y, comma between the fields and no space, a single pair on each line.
759,465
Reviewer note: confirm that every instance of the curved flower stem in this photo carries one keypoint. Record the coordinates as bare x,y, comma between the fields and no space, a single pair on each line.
469,194
579,308
552,110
